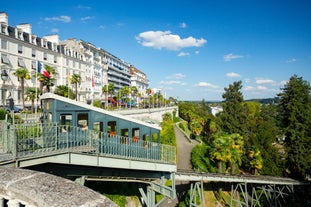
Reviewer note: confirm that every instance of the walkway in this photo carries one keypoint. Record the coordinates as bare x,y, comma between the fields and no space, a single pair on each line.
184,147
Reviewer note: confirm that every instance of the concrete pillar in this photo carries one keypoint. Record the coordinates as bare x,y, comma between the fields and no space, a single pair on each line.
13,203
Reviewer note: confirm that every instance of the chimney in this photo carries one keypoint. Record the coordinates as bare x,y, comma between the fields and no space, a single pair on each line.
52,38
25,28
4,18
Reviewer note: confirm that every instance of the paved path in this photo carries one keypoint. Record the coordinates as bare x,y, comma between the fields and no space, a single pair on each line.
184,149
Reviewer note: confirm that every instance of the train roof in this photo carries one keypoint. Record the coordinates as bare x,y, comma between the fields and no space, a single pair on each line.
93,108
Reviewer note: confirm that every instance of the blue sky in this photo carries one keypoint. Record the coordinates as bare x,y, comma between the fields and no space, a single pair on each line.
191,50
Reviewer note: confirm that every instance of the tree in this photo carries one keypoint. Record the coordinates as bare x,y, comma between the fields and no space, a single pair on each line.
227,148
256,161
233,119
65,91
295,120
46,78
134,93
105,91
111,89
75,80
32,94
125,91
22,74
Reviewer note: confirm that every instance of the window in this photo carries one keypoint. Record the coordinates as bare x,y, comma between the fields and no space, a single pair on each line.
33,65
33,52
112,128
55,59
21,63
3,29
4,44
45,56
20,48
65,122
83,121
5,60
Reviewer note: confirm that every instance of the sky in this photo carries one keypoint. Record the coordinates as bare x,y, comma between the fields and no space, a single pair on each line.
190,50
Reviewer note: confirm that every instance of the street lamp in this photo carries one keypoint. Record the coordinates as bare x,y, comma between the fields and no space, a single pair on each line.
4,77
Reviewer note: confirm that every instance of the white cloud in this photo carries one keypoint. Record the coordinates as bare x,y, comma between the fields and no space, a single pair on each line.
65,19
83,19
283,82
258,88
196,52
291,60
54,30
176,76
167,40
171,82
231,56
181,54
183,25
265,81
84,7
233,75
102,27
205,84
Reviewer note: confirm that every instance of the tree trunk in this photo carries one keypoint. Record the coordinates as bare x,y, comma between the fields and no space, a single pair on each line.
76,90
220,167
23,92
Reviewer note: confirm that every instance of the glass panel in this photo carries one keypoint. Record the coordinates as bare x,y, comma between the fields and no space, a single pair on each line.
83,121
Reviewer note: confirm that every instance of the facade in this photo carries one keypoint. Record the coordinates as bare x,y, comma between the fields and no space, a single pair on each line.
19,48
139,79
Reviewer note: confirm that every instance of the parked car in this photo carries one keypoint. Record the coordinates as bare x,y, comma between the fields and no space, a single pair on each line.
16,109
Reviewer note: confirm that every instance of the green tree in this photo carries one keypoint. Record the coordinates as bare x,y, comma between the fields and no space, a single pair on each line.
75,80
233,119
32,95
47,78
65,91
295,120
125,91
105,91
111,89
256,161
227,149
134,93
22,74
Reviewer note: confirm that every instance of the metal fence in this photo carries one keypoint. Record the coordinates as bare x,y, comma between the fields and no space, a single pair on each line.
30,139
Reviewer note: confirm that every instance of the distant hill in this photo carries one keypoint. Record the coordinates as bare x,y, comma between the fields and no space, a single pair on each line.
259,100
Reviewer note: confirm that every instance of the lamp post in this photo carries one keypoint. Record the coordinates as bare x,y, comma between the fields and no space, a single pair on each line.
4,77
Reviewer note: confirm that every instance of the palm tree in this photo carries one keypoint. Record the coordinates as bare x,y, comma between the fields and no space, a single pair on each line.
47,79
105,91
134,92
125,91
220,151
22,74
111,89
76,79
65,91
236,147
32,95
256,160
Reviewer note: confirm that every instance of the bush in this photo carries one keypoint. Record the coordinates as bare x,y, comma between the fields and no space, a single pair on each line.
181,126
2,114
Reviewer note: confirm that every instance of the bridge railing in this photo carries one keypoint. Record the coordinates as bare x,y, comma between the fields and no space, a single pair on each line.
36,139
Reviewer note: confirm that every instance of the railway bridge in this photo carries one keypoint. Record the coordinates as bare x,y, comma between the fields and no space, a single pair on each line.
81,142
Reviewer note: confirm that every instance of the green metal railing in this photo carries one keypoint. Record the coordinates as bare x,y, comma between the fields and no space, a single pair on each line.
36,139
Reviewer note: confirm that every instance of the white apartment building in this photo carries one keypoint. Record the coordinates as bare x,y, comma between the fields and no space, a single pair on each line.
19,48
139,79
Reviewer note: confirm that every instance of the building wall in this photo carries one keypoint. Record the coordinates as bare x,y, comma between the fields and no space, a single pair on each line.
96,66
